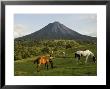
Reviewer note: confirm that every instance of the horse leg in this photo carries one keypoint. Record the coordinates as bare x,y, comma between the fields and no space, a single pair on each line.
38,67
75,55
47,65
78,59
51,64
86,59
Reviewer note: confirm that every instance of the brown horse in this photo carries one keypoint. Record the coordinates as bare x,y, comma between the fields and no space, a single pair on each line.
44,60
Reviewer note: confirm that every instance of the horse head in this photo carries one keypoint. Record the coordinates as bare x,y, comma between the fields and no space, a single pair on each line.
94,59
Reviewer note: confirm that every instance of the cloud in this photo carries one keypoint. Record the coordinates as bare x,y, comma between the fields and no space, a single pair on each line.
94,34
88,17
19,30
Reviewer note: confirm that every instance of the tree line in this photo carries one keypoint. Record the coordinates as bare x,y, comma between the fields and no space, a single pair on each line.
25,49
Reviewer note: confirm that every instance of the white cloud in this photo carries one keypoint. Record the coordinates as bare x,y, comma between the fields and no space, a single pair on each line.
94,34
88,17
19,30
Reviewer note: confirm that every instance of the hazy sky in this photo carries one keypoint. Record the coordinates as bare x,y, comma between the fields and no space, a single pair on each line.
28,23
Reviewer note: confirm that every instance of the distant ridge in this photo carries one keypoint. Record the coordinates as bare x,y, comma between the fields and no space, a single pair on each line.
56,31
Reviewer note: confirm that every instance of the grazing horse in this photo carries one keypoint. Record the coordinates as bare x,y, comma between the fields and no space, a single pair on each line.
85,53
44,60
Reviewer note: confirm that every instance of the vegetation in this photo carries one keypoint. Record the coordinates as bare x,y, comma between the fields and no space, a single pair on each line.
26,51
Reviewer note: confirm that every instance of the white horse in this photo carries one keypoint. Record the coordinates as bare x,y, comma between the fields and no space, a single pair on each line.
85,53
64,54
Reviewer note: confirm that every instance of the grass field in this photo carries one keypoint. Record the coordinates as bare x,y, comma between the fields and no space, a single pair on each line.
62,67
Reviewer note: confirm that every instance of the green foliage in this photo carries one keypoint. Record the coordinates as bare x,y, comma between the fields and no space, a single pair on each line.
68,46
26,49
45,50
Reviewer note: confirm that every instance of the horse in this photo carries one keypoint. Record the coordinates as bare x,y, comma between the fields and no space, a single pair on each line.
44,60
64,54
85,53
52,52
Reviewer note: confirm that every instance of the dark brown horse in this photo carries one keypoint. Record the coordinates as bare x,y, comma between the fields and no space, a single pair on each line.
46,60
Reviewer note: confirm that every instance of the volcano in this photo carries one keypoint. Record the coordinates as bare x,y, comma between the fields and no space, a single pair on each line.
56,31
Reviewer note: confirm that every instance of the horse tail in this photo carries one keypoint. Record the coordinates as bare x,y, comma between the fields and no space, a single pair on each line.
37,60
75,55
34,61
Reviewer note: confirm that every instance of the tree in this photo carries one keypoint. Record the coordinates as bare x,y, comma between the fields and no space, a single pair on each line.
45,50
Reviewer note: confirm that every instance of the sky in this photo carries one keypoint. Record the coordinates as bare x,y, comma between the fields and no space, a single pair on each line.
25,24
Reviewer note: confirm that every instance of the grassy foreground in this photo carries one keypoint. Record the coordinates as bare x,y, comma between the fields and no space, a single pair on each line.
62,67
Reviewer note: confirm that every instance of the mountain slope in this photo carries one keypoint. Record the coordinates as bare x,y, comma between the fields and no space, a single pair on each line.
56,30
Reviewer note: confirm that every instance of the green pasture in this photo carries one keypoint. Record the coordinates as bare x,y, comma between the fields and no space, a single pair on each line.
62,67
